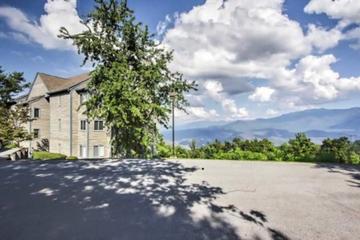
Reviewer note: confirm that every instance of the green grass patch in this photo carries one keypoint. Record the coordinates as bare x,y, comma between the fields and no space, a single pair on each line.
47,156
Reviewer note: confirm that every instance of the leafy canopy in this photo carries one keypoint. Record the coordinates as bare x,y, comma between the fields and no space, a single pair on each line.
12,117
10,85
131,84
300,149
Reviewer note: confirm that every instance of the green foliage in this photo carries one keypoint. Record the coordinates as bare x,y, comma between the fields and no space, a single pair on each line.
336,150
238,154
10,85
71,158
354,158
356,146
10,146
12,117
47,156
298,149
131,84
163,150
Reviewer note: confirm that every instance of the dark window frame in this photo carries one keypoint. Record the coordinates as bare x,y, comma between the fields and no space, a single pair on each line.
36,133
83,125
36,112
98,125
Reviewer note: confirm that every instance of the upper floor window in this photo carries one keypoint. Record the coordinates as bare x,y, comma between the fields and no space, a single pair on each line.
36,112
83,125
84,97
98,125
36,133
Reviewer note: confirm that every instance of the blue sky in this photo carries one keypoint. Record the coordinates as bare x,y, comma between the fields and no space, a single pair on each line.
251,58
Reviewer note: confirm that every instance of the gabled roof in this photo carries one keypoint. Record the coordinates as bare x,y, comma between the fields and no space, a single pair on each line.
51,82
55,84
70,82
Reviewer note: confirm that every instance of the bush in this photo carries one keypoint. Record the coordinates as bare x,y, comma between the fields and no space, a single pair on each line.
47,156
163,151
10,146
336,150
299,149
71,158
238,154
354,158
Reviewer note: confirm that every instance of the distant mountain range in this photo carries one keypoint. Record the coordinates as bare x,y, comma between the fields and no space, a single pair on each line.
316,123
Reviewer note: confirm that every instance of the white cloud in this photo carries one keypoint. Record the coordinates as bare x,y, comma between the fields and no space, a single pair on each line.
348,10
271,112
313,81
19,37
230,106
163,25
223,44
201,113
196,114
58,13
215,91
354,34
15,36
323,39
262,94
241,39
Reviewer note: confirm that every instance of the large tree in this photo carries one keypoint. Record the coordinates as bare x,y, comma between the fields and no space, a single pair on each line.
12,117
131,85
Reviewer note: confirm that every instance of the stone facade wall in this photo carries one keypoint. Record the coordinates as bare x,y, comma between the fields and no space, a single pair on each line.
38,88
42,123
89,137
60,124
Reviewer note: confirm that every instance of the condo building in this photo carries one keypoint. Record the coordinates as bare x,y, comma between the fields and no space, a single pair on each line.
58,122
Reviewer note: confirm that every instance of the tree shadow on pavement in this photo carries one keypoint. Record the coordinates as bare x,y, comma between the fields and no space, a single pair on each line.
353,171
130,199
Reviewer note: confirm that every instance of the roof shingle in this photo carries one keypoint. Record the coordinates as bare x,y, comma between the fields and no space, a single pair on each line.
57,84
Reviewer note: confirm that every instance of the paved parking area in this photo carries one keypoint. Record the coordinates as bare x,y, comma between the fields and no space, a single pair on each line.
178,199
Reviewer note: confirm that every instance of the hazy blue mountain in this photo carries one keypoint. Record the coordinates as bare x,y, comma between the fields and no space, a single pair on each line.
201,124
316,123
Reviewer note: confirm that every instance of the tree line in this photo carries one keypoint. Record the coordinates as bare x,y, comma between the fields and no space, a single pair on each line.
298,149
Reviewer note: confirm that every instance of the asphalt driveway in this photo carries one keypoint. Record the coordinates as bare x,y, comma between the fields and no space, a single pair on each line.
184,199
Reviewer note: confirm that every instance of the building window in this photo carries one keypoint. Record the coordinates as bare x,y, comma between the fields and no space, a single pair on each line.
98,125
84,97
59,124
36,112
83,151
83,125
98,151
36,133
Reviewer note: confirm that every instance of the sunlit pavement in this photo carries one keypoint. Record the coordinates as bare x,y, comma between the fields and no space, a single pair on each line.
178,199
